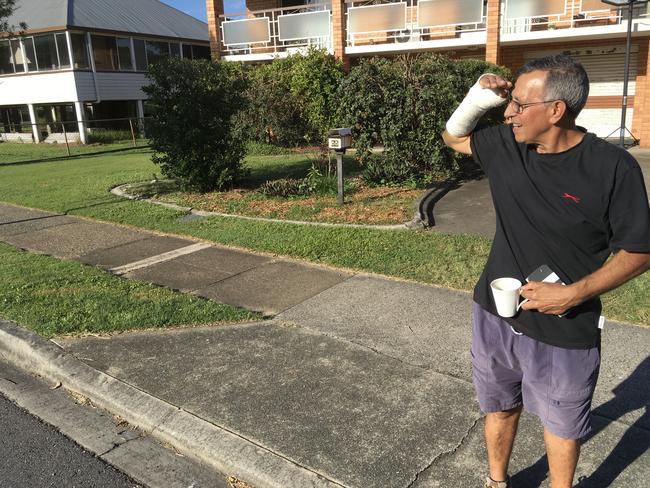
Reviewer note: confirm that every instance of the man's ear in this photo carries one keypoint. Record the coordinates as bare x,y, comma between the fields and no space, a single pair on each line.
559,111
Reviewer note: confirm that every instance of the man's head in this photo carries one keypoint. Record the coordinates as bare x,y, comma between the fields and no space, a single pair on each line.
549,93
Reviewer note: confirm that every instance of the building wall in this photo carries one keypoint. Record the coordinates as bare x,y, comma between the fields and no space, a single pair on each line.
38,88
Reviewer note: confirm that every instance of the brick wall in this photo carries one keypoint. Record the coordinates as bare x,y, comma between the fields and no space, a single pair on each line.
214,8
492,47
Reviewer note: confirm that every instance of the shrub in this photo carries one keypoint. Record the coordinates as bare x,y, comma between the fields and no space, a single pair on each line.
193,104
283,187
404,104
107,136
290,101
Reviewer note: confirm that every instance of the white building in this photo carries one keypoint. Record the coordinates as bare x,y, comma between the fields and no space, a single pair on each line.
85,60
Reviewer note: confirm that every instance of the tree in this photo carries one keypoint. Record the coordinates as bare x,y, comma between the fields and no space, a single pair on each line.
7,8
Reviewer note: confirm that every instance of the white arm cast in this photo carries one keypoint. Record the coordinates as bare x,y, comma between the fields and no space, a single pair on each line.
477,101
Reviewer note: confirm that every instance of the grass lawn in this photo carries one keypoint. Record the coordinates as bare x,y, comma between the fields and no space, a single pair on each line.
54,297
80,187
15,153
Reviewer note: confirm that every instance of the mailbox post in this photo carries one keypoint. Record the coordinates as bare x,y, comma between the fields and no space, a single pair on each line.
339,140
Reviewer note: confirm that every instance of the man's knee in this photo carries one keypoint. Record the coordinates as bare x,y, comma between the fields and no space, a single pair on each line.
506,414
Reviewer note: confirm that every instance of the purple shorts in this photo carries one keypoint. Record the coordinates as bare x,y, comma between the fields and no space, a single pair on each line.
554,383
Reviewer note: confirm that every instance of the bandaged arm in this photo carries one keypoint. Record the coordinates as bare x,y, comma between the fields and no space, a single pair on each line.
464,119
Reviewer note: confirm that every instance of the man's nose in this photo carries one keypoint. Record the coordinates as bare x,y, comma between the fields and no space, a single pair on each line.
509,111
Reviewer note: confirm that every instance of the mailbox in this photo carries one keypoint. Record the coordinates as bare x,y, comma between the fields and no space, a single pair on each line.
340,139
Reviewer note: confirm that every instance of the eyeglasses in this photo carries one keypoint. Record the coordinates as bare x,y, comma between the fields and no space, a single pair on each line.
520,107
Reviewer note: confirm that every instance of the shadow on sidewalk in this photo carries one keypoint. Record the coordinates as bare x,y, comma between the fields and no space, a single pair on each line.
632,394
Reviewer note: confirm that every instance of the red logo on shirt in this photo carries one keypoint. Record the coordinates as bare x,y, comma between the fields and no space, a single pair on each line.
571,197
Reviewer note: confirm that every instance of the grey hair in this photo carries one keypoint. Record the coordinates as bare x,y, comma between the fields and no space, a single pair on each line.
566,80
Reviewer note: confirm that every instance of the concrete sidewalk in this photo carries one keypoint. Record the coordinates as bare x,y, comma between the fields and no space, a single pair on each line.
354,380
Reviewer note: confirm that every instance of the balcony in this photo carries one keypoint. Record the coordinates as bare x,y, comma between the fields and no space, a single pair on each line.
382,27
524,22
413,25
266,34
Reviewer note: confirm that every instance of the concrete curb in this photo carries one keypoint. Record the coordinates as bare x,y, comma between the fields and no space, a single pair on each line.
215,446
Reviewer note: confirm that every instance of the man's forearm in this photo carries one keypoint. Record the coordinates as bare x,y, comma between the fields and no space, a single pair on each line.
621,268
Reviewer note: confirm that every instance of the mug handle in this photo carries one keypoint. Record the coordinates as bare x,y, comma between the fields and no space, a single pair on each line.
522,302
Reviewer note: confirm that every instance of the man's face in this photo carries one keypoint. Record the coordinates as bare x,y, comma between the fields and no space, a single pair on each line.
533,121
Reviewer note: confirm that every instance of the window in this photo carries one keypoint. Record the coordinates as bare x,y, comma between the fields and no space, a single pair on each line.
140,55
105,53
6,61
187,51
124,52
79,51
201,52
17,52
62,47
46,57
175,49
156,51
30,55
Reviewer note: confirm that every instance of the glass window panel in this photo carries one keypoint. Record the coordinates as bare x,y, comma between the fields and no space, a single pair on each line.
391,16
304,26
17,52
533,8
30,55
175,49
246,31
187,51
201,52
104,53
590,5
156,50
449,12
46,52
79,51
6,62
124,53
140,55
64,55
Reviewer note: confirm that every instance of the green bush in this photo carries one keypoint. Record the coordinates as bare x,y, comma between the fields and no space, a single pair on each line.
403,104
191,130
106,136
289,102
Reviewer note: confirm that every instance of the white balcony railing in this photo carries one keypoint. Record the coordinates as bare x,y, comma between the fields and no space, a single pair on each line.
264,34
371,22
571,14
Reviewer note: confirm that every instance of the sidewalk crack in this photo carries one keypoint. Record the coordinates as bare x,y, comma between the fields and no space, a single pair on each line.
443,454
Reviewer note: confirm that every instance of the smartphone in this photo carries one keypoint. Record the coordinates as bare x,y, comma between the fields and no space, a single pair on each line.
547,275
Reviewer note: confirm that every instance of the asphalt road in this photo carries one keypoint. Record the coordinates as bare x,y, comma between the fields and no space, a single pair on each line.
35,455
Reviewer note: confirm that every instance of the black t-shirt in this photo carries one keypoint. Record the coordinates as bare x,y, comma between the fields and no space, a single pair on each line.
567,210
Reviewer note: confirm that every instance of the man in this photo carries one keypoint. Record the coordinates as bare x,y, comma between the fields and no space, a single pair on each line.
567,200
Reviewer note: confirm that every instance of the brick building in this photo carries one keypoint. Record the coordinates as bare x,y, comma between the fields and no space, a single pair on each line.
507,32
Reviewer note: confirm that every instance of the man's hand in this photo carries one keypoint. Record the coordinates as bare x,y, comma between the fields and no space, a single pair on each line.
557,299
550,298
498,85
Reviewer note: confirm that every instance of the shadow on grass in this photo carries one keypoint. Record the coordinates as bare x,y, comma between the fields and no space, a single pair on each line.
74,156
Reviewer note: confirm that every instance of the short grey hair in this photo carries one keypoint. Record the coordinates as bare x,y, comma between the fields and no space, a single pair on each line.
566,80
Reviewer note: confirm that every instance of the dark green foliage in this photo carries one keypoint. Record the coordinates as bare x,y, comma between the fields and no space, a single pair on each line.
283,187
290,101
403,104
191,131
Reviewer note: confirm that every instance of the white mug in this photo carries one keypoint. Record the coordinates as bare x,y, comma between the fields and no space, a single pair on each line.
506,296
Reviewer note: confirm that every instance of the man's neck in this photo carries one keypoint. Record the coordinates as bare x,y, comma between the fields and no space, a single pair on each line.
559,139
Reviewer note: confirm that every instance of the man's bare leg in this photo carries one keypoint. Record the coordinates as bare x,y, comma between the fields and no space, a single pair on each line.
500,431
562,459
